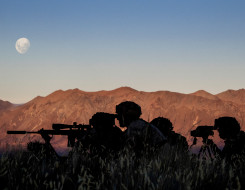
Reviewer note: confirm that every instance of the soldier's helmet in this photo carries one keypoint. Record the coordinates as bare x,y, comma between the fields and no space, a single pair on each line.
102,120
227,126
128,111
163,124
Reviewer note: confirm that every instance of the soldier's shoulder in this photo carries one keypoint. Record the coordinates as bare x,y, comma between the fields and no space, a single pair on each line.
178,137
138,123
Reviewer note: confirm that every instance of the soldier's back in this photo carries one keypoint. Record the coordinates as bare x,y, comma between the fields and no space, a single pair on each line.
141,131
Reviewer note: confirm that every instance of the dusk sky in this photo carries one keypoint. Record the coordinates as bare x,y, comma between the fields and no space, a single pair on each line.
180,46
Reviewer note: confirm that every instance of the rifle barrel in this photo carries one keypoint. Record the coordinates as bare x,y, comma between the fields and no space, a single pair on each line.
16,132
49,132
74,132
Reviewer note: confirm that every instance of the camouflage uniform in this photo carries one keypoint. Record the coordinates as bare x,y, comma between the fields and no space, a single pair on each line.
140,129
139,132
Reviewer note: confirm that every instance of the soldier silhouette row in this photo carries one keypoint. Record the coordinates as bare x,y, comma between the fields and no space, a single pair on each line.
139,133
160,130
105,137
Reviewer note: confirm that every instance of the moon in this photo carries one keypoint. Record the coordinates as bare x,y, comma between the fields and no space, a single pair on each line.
22,45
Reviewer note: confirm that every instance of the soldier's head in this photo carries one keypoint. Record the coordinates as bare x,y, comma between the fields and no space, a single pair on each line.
163,124
102,121
127,112
228,127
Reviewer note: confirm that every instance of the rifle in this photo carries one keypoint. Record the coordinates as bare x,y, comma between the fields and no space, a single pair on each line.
75,131
72,131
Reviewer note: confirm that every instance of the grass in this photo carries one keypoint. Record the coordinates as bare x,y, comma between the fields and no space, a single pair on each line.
168,168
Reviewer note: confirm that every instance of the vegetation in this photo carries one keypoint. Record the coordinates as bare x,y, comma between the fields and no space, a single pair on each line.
166,169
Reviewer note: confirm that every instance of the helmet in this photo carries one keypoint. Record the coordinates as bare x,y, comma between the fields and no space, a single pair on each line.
127,112
227,126
163,124
101,119
129,108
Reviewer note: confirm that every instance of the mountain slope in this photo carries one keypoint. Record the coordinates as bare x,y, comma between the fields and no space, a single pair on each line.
186,111
5,105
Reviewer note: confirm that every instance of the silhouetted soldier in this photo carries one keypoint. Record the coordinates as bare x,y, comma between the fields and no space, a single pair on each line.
106,133
139,132
166,127
229,131
102,141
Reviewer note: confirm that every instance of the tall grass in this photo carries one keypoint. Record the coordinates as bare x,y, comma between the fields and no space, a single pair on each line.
167,168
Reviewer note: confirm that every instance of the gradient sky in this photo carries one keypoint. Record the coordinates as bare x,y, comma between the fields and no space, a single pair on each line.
180,46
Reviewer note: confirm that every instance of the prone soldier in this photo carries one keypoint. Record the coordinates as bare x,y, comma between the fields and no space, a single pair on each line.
102,141
107,134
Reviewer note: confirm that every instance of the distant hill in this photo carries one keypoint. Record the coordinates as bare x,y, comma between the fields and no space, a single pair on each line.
186,111
5,105
204,94
236,96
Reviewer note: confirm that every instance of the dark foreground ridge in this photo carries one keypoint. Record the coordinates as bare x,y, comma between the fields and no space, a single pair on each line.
147,155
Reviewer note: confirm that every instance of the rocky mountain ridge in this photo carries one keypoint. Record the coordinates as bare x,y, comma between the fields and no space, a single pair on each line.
186,111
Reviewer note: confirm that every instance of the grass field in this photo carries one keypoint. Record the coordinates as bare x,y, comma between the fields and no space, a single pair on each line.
167,168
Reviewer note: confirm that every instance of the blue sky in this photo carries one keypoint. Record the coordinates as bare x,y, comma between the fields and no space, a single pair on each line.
180,46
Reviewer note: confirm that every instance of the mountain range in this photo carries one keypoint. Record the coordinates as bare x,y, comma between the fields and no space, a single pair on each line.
185,111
